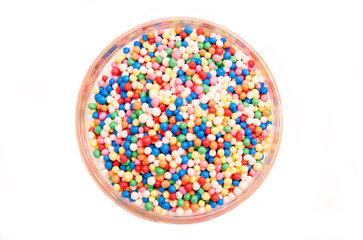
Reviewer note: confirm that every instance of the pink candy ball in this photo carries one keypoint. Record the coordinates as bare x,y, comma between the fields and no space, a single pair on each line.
100,83
100,140
213,80
118,141
264,133
212,191
102,116
188,83
179,89
240,107
152,76
155,102
212,66
176,54
171,44
182,190
216,58
105,152
252,172
238,71
203,164
219,176
178,81
198,90
156,66
264,97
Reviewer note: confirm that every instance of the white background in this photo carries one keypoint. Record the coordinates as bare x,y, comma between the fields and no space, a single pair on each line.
313,48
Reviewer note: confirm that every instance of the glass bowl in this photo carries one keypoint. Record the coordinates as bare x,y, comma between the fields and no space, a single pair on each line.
85,94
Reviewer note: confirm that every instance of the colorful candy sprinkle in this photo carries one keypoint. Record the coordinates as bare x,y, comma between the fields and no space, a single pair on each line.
180,121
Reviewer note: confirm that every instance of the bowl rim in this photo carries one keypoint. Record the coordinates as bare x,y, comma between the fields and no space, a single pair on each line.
124,203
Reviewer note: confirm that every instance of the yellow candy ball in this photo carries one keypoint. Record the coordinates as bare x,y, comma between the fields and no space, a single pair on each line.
193,36
190,124
163,118
154,193
220,152
128,176
258,155
224,192
166,194
205,196
257,166
113,156
147,58
157,209
93,143
96,90
133,78
116,187
236,156
214,131
196,168
152,132
211,167
184,108
220,112
121,150
138,178
206,69
198,112
195,155
162,157
173,164
239,145
166,100
135,122
115,169
156,127
152,167
201,203
146,44
173,140
211,117
208,207
136,72
120,57
238,164
244,169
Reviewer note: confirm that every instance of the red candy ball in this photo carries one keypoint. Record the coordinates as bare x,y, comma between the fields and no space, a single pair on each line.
115,71
145,169
201,180
251,63
146,140
127,86
192,65
202,75
206,142
104,78
200,31
123,158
